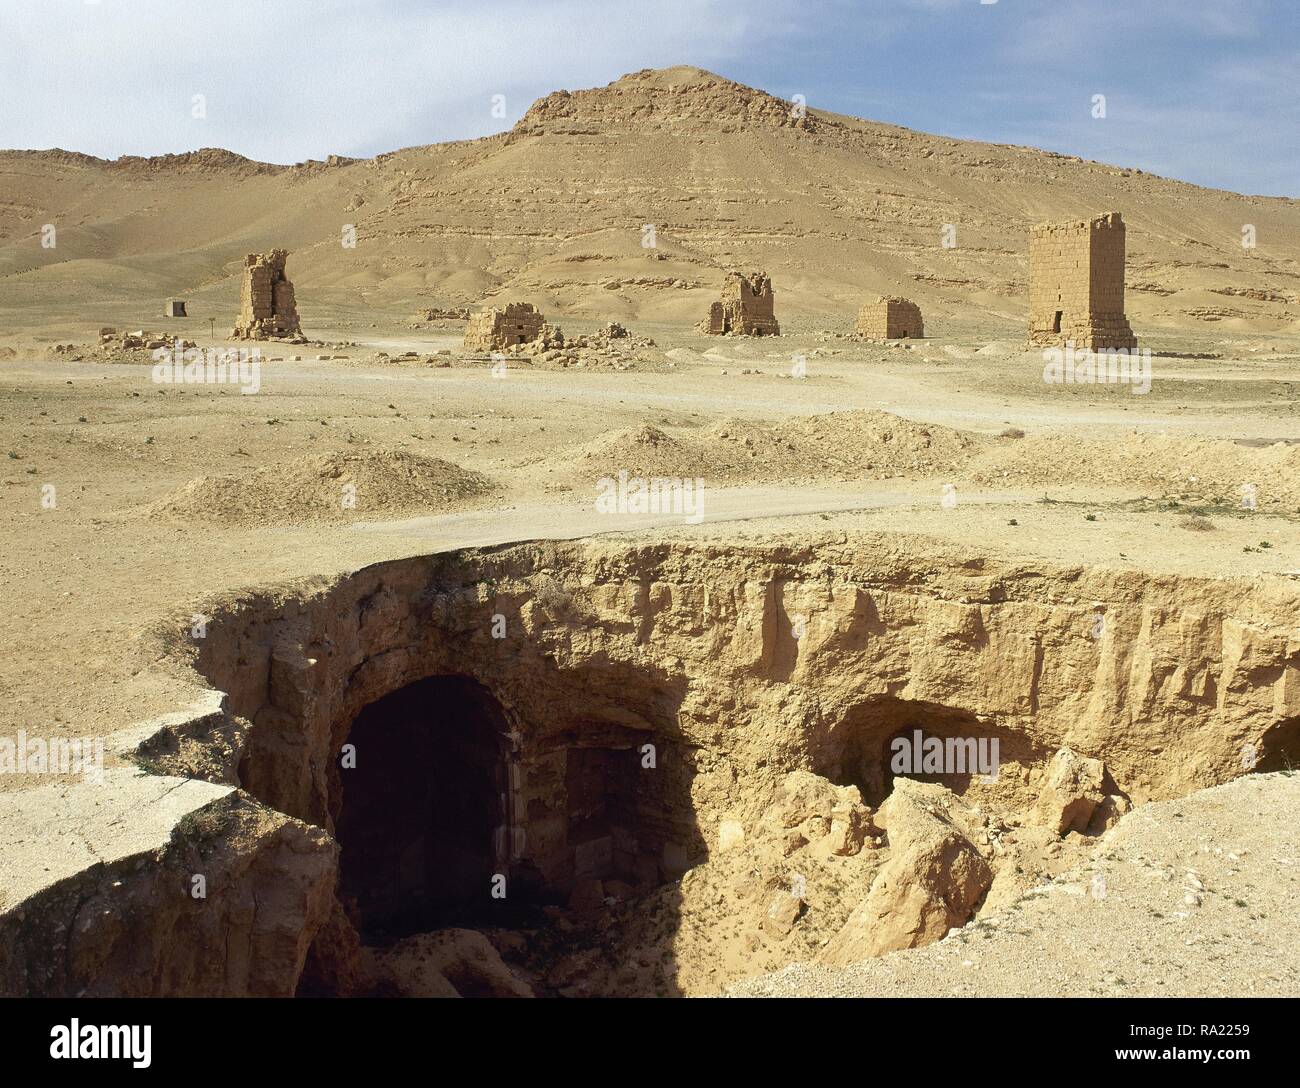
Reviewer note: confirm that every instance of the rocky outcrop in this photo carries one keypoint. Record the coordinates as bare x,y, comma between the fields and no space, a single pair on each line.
666,98
1075,787
931,883
188,889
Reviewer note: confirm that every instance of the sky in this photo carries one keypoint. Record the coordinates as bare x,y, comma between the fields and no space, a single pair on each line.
1202,90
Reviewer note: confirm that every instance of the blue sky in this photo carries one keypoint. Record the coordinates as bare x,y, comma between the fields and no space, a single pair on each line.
1204,90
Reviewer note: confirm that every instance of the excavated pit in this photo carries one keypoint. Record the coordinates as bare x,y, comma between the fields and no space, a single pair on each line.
603,768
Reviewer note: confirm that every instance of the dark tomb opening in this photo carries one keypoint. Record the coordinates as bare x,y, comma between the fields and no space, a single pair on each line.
422,810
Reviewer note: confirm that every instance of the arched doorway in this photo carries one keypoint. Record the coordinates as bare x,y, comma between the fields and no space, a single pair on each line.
422,809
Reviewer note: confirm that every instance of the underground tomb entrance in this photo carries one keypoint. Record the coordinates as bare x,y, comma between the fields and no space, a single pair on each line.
1279,748
885,737
440,796
422,808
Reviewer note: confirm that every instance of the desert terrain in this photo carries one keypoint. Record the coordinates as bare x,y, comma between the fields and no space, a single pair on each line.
219,584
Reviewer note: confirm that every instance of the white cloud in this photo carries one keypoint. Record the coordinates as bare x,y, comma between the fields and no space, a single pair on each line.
293,79
1193,85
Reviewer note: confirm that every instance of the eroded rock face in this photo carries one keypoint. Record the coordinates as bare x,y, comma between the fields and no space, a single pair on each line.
931,883
135,928
699,644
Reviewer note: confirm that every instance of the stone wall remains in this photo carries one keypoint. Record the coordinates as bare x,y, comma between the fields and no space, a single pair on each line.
497,330
747,308
268,309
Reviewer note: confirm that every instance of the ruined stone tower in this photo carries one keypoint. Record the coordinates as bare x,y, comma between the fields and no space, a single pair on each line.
1076,284
495,329
746,307
267,309
890,318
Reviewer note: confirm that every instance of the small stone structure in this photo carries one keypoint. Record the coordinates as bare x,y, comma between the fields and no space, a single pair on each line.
1076,284
175,307
455,313
496,330
267,308
746,308
890,318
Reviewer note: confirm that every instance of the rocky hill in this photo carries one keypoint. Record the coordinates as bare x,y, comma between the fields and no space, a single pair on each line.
556,210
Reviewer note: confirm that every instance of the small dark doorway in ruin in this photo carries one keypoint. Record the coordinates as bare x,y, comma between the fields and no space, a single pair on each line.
421,810
1056,321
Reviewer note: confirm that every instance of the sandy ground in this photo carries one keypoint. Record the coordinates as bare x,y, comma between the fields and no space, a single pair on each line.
132,507
83,582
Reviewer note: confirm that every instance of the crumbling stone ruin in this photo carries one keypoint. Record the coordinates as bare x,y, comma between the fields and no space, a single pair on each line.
1076,284
455,313
519,323
613,347
267,309
120,346
746,308
890,318
175,307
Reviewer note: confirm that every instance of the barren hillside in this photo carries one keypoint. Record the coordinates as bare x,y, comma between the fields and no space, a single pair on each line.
835,208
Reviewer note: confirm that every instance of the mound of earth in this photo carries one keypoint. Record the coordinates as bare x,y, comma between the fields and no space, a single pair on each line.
1214,471
328,487
836,446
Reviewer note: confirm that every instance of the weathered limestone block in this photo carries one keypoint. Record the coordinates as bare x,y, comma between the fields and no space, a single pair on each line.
1075,786
1113,808
781,911
931,883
